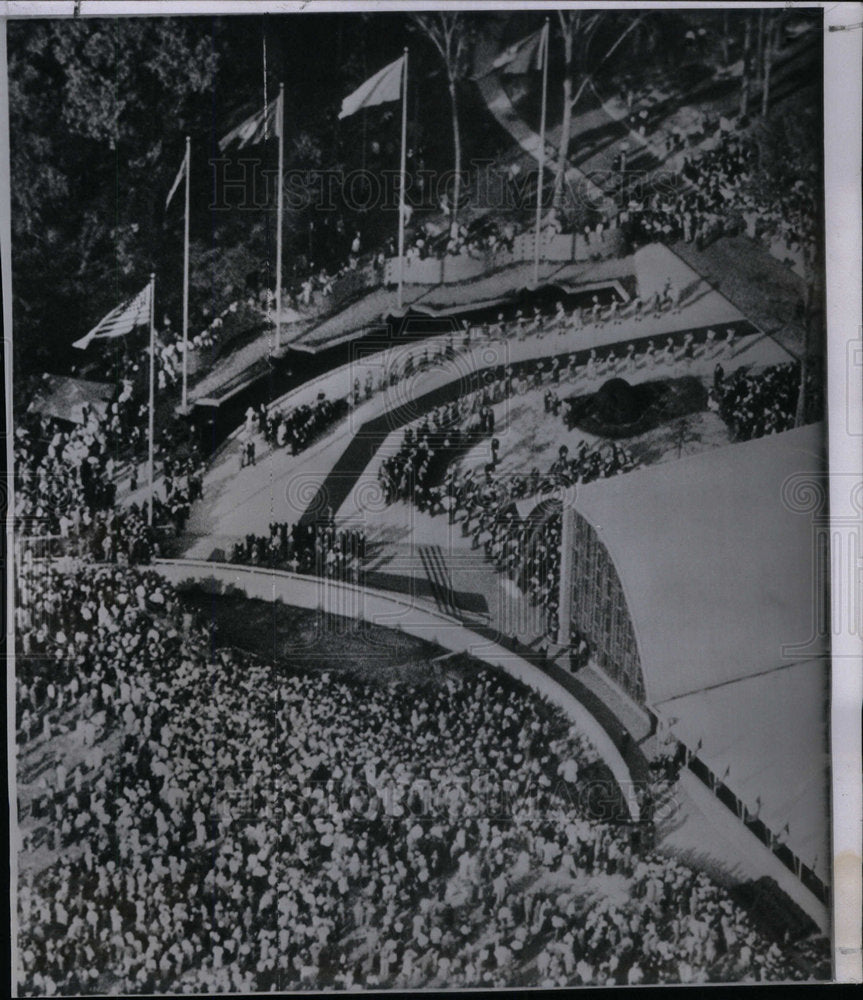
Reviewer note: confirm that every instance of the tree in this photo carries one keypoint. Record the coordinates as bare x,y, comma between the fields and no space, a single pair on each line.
724,38
451,33
578,28
759,49
98,109
789,158
771,41
746,79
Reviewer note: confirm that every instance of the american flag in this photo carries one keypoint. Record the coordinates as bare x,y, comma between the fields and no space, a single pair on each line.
120,321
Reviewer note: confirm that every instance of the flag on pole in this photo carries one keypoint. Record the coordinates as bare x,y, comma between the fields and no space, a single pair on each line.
120,321
181,173
256,129
384,86
523,56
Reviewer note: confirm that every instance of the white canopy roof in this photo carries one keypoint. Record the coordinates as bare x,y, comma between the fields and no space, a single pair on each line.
718,571
716,566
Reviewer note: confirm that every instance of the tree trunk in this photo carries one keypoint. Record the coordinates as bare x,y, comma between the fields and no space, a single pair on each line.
725,38
759,50
768,65
746,82
566,125
456,141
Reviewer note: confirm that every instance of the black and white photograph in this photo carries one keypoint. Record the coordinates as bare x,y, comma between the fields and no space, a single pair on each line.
421,520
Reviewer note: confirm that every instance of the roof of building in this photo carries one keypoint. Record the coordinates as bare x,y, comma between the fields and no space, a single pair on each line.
715,562
62,397
765,737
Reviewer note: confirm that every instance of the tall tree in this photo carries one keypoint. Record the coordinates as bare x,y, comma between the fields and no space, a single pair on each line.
771,42
789,159
577,30
759,48
724,38
98,109
746,79
452,34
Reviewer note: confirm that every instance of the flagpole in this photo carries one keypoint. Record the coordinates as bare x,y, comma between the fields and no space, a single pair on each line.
541,157
402,182
152,399
280,124
186,283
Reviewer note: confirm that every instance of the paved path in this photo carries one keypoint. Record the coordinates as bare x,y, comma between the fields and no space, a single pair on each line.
599,125
498,103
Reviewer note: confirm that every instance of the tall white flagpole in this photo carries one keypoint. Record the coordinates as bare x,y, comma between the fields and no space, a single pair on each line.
541,157
402,182
152,399
280,124
186,283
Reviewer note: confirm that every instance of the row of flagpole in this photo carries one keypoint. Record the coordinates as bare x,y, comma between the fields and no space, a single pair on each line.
142,308
388,85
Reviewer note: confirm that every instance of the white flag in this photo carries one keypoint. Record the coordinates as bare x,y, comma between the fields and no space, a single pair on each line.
181,173
384,86
522,56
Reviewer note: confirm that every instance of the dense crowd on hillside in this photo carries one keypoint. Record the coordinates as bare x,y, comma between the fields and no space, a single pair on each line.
63,471
759,404
65,492
305,548
193,818
716,191
198,840
66,483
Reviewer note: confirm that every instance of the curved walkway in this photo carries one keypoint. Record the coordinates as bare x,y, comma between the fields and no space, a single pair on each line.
365,442
387,610
498,103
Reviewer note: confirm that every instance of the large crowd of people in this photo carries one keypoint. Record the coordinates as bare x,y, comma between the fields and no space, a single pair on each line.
65,492
316,547
66,487
754,405
226,824
296,428
63,471
197,819
422,471
716,194
428,448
